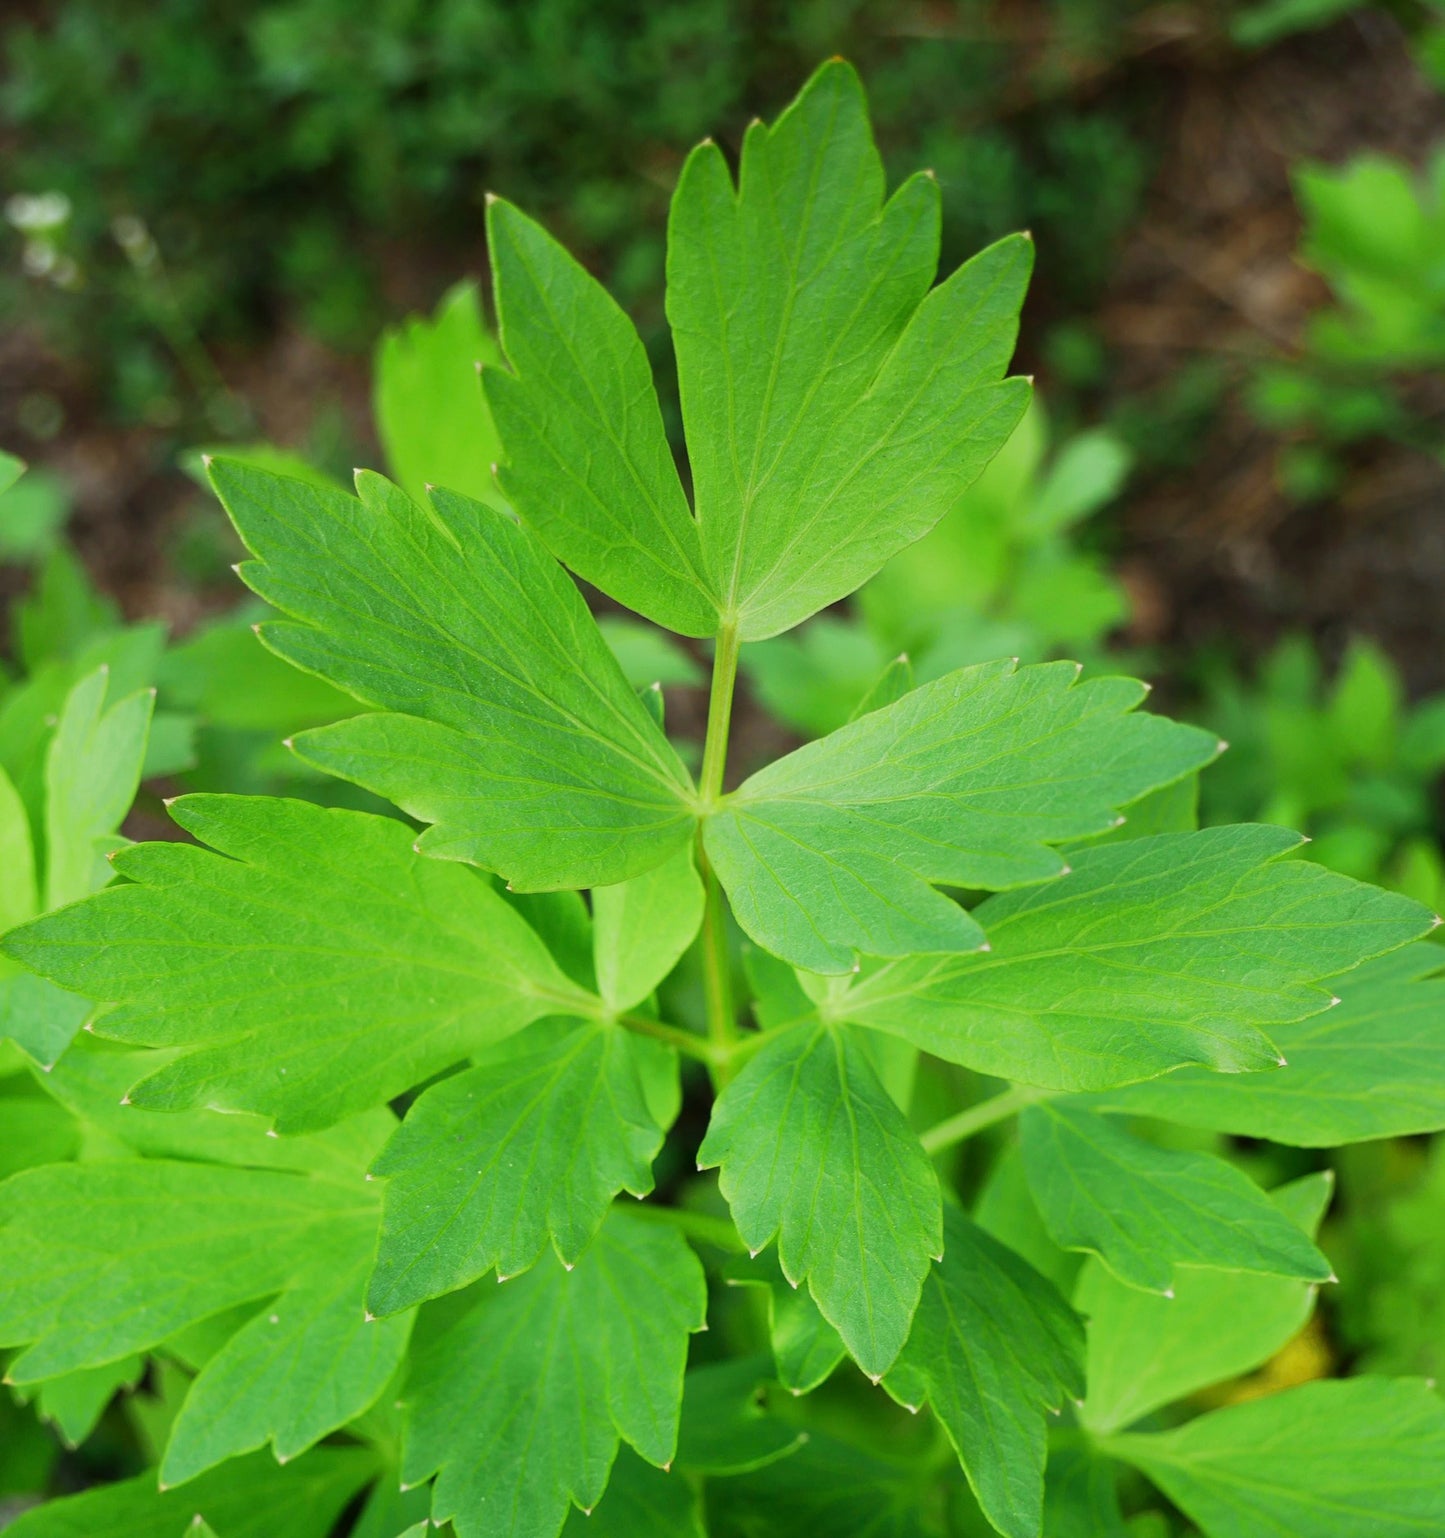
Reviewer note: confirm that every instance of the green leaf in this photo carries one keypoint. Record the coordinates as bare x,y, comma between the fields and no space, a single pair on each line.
587,459
1080,1497
645,655
806,1348
18,891
827,1489
309,1362
74,1402
1145,1210
642,927
517,734
427,399
39,1017
641,1502
1358,1458
967,781
726,1427
251,1498
813,1152
1146,1351
519,1405
108,1259
11,469
531,1144
315,965
1372,1068
91,777
993,1350
34,1129
1182,948
835,409
92,1079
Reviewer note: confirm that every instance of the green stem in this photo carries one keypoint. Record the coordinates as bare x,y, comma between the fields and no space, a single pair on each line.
686,1042
987,1113
716,961
717,1232
719,717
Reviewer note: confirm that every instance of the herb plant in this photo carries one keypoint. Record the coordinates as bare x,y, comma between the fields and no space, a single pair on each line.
442,1067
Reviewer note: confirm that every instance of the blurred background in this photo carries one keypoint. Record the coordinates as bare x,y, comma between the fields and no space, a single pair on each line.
253,223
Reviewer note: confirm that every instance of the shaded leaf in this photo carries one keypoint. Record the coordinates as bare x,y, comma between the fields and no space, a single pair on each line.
994,1349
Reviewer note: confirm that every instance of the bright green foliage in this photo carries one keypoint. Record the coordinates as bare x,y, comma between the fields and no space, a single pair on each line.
457,621
1370,1068
1146,1350
835,407
1374,231
830,851
92,772
92,766
1222,941
642,928
1144,1210
1357,1459
308,934
11,469
588,464
152,1249
519,1405
530,1144
444,1054
812,1151
426,396
994,1348
1346,761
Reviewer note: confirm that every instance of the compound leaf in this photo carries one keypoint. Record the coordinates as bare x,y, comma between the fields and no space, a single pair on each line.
1352,1458
1146,1351
250,1498
1143,1210
504,719
587,459
1180,948
967,781
993,1349
530,1144
315,965
519,1405
813,1152
1371,1068
835,409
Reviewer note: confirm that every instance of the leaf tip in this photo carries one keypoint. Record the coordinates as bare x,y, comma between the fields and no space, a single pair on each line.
1332,1278
289,743
367,1317
124,1099
1120,820
986,946
206,460
875,1378
1066,870
272,1132
1028,235
1436,921
1334,999
489,198
1221,746
1282,1060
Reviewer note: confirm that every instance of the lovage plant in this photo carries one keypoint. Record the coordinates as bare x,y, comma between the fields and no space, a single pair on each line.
942,889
